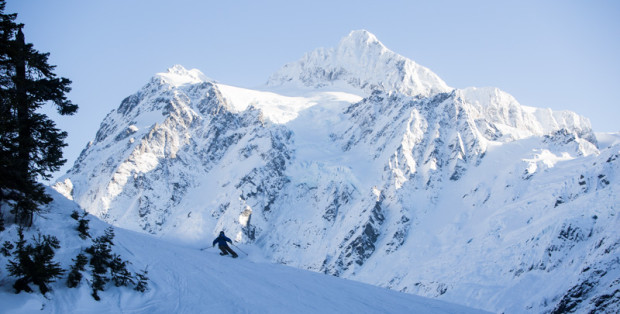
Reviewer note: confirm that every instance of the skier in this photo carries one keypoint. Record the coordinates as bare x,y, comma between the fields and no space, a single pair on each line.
221,242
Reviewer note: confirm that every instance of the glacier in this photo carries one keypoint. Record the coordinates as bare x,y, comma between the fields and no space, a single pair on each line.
359,163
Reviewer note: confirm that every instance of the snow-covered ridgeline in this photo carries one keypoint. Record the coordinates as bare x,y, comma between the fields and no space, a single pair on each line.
509,118
362,61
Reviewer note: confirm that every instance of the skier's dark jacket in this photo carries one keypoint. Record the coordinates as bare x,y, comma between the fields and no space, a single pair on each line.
221,240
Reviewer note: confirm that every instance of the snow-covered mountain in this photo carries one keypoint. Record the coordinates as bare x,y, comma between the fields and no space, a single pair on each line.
358,162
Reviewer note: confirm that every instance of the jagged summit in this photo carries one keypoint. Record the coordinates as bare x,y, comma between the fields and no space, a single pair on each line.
360,60
178,75
361,39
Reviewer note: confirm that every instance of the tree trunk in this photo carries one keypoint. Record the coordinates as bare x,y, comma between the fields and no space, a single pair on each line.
24,212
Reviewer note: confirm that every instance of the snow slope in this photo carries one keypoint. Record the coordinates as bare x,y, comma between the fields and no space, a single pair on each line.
184,279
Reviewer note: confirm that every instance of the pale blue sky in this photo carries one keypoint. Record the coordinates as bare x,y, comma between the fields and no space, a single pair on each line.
562,55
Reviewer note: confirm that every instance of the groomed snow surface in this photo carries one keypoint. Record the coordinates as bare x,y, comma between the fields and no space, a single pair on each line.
185,279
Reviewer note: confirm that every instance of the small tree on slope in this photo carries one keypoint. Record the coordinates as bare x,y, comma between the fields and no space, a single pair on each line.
75,276
34,263
103,261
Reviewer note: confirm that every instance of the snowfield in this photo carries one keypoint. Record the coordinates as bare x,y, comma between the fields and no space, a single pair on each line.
185,279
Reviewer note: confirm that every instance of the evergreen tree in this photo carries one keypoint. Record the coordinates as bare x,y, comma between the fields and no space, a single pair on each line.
103,260
108,236
22,265
101,254
98,284
30,144
6,248
101,257
142,283
34,263
118,271
83,227
7,123
75,215
75,276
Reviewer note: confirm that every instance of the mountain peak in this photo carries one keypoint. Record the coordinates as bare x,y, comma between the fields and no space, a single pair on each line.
177,75
360,60
358,38
361,46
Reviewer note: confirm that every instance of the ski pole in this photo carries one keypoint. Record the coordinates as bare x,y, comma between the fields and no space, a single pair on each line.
239,249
